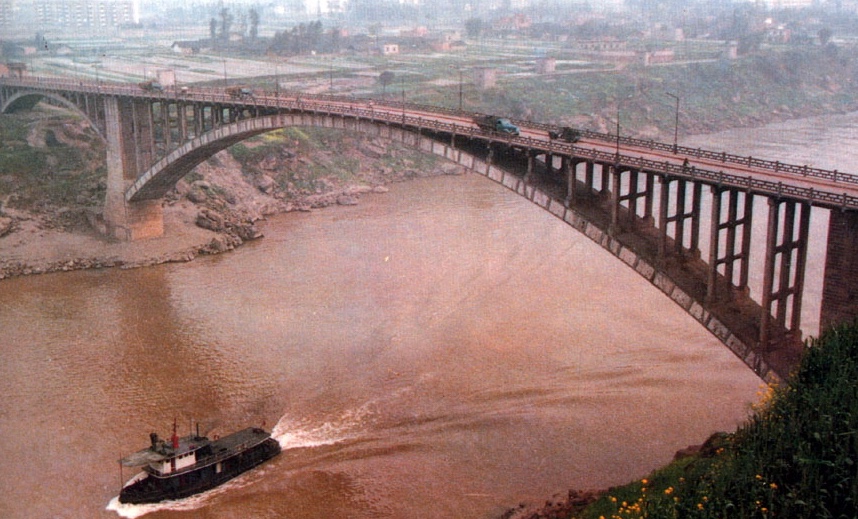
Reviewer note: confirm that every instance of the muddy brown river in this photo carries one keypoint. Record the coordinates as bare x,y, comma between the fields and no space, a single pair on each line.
445,350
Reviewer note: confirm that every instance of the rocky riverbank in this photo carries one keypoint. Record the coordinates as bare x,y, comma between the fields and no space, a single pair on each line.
217,208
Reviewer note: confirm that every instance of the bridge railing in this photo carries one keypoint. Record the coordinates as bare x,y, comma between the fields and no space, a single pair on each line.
722,156
712,177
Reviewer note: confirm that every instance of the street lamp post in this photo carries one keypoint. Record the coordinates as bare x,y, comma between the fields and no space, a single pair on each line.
618,131
276,81
224,73
675,123
460,90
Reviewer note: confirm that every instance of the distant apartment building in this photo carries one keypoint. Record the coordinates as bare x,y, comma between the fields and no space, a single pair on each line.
83,14
7,14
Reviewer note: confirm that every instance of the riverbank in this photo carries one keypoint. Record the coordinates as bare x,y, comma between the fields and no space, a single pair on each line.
213,210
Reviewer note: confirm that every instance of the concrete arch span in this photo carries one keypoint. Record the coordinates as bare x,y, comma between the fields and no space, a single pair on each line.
161,177
21,101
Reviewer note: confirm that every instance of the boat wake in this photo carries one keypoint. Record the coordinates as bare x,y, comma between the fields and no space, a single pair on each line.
289,433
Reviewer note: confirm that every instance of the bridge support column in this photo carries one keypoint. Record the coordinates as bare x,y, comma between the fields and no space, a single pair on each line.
589,175
531,159
616,187
680,218
840,281
569,168
790,249
123,220
731,224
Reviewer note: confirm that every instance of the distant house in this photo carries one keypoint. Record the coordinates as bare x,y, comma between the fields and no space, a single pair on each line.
607,44
417,32
390,48
13,69
185,47
485,77
659,56
514,23
546,65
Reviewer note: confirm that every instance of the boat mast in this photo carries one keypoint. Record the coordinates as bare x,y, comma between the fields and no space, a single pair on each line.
175,437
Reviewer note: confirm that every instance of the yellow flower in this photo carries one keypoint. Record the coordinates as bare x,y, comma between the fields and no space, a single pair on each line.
644,481
758,477
668,490
700,506
773,486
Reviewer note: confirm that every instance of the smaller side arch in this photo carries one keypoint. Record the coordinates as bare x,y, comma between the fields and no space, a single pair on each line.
26,100
164,174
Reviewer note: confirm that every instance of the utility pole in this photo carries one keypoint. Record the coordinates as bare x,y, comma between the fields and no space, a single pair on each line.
675,123
618,130
460,90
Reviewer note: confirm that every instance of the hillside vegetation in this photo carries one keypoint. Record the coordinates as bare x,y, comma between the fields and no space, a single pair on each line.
794,458
775,84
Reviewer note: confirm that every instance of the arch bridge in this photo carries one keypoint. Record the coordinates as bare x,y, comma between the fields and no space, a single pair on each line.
682,218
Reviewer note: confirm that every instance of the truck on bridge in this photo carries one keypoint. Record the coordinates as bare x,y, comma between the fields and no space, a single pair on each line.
239,91
497,124
566,133
151,86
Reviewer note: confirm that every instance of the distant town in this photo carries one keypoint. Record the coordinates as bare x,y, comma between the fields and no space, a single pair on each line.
443,52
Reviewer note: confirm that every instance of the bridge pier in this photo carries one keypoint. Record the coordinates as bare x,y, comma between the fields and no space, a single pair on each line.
840,281
126,146
736,231
785,251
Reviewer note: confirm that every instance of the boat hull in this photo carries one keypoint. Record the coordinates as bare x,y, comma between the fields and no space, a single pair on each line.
153,489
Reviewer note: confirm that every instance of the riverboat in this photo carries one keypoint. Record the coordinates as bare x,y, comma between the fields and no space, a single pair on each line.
192,464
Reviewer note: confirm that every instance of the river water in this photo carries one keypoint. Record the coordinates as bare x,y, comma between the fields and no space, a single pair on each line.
446,350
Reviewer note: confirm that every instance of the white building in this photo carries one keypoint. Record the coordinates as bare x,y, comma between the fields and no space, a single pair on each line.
92,14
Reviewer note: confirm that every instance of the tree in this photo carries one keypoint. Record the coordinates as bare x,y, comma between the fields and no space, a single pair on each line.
474,27
225,24
385,78
824,36
336,39
212,29
254,24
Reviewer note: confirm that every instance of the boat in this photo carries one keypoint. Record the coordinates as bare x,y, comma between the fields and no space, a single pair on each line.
192,464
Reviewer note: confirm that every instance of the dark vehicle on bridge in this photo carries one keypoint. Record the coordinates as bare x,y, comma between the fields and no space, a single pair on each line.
239,91
151,86
193,464
496,124
566,133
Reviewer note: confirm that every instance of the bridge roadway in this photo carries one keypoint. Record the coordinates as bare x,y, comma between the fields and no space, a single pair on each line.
819,187
640,200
